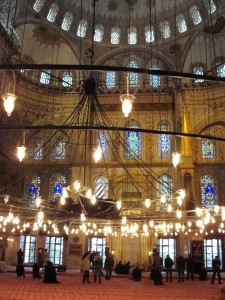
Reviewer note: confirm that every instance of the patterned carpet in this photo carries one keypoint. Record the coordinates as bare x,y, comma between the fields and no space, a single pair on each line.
121,288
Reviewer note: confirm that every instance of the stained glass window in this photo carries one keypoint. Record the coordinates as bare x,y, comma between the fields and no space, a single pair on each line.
82,28
115,35
45,76
132,36
67,79
164,140
110,79
210,5
199,71
101,188
164,187
221,70
32,189
165,29
133,77
208,149
149,34
53,11
38,5
102,140
181,23
133,142
154,79
57,183
99,32
67,21
36,149
195,15
59,150
209,191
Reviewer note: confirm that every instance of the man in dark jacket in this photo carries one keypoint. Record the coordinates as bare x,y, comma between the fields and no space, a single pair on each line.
168,265
180,262
109,263
190,267
216,269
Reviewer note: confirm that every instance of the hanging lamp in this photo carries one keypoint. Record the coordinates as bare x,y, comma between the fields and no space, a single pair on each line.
127,101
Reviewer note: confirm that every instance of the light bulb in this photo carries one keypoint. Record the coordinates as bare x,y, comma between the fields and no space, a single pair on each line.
77,185
97,154
119,204
127,102
38,201
147,203
88,193
163,199
9,102
93,199
21,152
175,158
62,200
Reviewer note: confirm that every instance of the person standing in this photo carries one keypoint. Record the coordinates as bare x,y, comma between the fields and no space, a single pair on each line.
45,256
20,256
180,262
157,265
190,267
168,265
85,266
216,269
97,267
109,263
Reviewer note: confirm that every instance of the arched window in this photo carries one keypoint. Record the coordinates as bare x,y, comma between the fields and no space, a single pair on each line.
221,69
82,28
59,149
38,5
133,77
32,189
110,79
36,149
53,11
208,149
132,36
154,79
164,187
209,191
102,141
210,5
195,15
149,34
165,29
164,140
99,32
198,70
67,21
181,23
133,142
45,76
57,183
67,79
115,35
101,188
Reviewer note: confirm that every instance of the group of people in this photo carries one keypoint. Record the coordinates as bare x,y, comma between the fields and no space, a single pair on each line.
94,260
182,263
123,268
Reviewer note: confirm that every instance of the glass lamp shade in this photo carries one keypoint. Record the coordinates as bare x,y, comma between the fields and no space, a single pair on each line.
21,152
119,204
98,154
93,199
127,101
147,203
77,185
9,102
176,158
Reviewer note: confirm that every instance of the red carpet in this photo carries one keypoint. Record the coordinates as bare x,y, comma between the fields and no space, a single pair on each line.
121,288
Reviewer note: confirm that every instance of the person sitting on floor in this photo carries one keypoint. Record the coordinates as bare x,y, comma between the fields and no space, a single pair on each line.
137,274
50,273
3,267
36,271
20,271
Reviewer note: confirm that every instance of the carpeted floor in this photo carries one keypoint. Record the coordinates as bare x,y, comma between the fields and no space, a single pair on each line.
118,288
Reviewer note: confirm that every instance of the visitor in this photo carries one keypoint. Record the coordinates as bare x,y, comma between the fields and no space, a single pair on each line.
36,271
109,263
190,267
168,265
216,269
137,274
180,264
20,256
45,256
85,266
131,272
119,268
50,273
156,269
97,267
